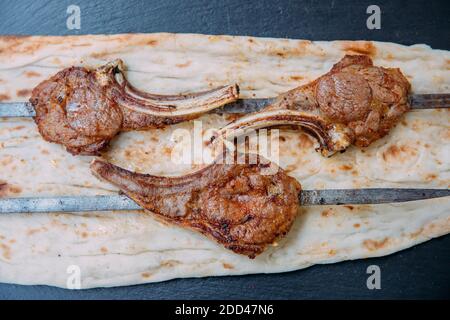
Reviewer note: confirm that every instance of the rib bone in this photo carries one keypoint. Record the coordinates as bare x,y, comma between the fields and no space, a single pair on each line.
112,76
331,137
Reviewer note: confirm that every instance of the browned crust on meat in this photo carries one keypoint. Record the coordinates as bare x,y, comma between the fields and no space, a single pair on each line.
83,109
233,204
368,100
73,110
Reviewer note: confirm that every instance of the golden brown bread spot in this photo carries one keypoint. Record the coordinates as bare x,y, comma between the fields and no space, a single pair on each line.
290,168
400,154
299,50
304,44
81,44
28,49
332,252
359,47
6,251
57,223
356,225
127,153
100,55
7,189
146,275
103,250
447,64
170,263
13,44
3,188
350,207
32,74
32,231
296,78
167,151
13,38
23,93
445,133
346,167
373,245
184,65
327,212
227,266
4,97
152,43
416,234
430,177
84,234
56,60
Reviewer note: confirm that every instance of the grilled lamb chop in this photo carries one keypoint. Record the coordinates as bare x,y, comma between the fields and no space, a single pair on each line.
233,204
83,109
354,103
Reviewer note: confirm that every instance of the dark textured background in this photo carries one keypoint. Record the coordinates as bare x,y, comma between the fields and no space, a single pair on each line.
419,272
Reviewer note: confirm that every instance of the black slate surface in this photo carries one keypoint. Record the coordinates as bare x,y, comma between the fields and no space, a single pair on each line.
419,272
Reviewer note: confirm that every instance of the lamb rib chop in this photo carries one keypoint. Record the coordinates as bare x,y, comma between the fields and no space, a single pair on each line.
354,103
234,204
83,109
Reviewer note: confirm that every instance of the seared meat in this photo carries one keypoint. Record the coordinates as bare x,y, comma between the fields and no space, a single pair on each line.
73,110
369,100
234,204
355,102
83,109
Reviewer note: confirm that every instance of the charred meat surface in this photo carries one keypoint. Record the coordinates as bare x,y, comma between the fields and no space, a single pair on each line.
83,109
354,103
233,204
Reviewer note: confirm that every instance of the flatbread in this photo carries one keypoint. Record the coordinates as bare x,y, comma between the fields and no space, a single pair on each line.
124,248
